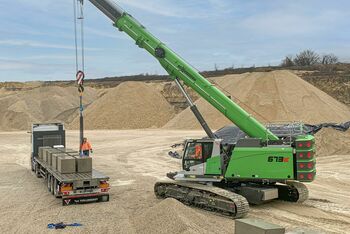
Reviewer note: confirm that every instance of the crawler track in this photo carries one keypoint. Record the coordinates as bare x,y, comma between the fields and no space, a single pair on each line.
293,192
205,197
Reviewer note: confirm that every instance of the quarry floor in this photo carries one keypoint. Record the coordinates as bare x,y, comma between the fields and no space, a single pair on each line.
134,160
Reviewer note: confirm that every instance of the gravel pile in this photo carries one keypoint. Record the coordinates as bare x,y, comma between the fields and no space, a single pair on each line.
131,105
171,216
277,96
332,142
19,109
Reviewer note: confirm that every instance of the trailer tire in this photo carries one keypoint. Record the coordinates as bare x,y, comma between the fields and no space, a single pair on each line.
31,163
52,187
37,172
55,189
48,182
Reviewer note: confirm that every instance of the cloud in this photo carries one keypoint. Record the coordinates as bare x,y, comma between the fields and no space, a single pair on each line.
38,44
168,8
33,69
50,57
205,32
14,65
114,35
293,19
44,6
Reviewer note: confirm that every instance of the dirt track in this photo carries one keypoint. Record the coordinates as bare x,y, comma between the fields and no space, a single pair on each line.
135,160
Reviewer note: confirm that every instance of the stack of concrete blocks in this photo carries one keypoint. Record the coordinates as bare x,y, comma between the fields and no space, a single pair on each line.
65,160
83,164
48,155
42,152
55,157
65,164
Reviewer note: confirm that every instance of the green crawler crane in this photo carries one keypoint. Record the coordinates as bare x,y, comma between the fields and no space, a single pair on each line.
224,177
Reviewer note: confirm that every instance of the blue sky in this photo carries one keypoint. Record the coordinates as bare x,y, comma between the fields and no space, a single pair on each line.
37,37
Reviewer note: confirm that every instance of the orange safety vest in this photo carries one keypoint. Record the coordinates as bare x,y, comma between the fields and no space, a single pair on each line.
198,151
86,146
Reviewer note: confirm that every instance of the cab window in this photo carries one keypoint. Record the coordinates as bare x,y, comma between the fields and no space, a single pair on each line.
194,151
197,153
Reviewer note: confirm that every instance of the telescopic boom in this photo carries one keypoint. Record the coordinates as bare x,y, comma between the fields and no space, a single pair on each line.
178,68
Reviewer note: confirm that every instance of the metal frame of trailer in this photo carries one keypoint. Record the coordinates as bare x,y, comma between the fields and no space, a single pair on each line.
73,188
85,185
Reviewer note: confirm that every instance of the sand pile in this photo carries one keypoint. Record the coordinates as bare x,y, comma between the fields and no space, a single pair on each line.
332,142
44,104
270,97
171,216
131,105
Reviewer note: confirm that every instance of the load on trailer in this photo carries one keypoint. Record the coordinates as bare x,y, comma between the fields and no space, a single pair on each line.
224,177
67,175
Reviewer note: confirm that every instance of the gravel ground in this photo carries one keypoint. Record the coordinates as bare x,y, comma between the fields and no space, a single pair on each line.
135,160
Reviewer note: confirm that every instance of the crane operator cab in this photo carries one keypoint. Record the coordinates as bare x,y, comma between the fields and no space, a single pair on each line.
201,159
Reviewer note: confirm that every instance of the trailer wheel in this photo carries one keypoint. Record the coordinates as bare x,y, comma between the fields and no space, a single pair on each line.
49,183
55,189
37,172
52,187
31,163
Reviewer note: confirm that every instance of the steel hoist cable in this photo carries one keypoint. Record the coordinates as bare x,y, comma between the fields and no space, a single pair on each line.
78,8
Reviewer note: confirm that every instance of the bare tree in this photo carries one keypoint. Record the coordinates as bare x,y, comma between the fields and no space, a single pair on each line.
216,67
287,62
329,59
306,58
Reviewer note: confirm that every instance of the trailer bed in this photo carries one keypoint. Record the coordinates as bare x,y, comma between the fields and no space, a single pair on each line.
72,177
85,186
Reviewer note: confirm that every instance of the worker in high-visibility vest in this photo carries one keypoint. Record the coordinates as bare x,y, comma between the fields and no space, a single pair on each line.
198,151
86,148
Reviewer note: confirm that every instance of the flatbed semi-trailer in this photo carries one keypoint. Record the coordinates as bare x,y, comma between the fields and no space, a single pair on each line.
73,188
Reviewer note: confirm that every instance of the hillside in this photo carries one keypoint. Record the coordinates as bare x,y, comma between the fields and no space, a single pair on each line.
41,104
276,96
269,96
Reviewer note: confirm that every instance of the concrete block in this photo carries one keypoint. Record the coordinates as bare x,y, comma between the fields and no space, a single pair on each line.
257,226
74,154
49,155
42,151
45,151
45,154
83,164
55,157
66,164
68,151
